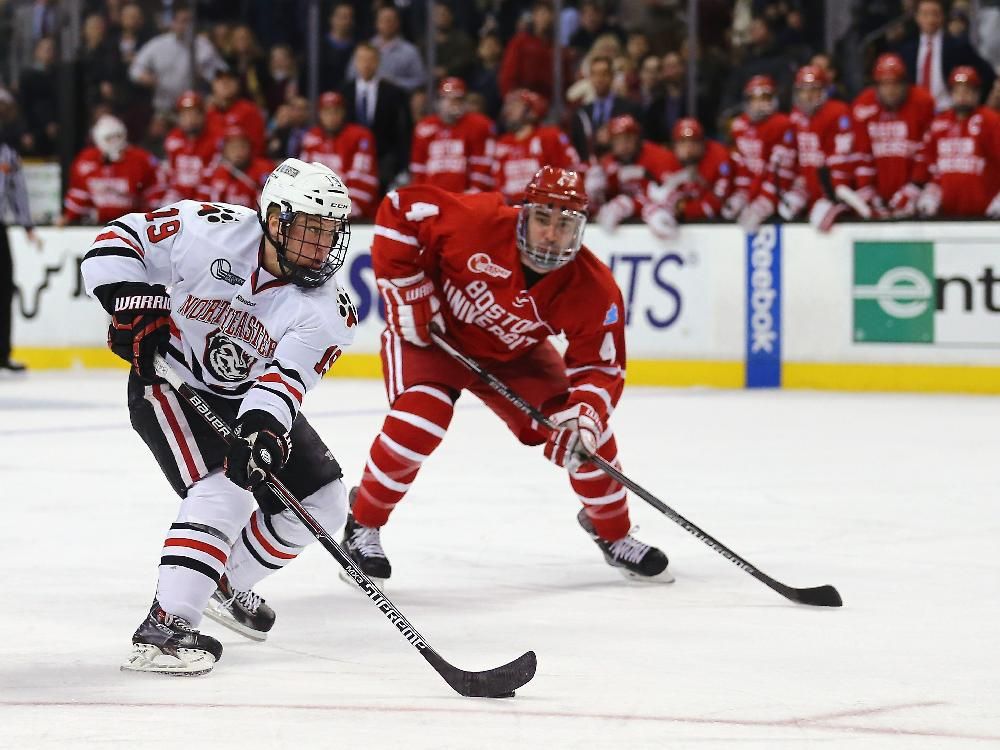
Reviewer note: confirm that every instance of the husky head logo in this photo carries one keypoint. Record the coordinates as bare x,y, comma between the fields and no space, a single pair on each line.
225,359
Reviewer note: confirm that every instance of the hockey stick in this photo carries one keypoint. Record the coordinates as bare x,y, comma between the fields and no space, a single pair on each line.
820,596
492,683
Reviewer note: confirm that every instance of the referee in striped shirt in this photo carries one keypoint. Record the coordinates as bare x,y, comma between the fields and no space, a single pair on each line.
13,194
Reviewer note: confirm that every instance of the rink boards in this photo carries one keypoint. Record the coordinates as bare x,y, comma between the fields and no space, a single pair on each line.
904,306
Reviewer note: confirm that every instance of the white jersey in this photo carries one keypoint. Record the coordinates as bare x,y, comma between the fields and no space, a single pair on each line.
236,330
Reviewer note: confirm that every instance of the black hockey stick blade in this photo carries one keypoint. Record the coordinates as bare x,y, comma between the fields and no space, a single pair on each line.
819,596
500,682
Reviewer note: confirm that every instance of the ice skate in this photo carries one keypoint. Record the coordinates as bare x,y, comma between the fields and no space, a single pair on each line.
243,612
635,560
364,546
166,644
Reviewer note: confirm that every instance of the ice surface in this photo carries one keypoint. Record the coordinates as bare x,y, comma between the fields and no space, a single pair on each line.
892,498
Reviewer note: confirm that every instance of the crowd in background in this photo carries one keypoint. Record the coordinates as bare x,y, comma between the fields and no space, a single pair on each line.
777,125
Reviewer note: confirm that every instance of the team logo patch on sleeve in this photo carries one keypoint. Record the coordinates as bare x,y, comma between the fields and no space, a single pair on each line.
611,316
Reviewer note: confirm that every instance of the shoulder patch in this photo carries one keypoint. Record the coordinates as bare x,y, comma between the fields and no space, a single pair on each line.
844,122
346,308
611,316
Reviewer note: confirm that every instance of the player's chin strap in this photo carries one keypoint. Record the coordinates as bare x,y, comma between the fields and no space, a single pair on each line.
820,596
500,682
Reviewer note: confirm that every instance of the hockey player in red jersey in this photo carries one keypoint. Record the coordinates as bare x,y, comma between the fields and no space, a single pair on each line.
499,280
622,179
242,305
189,149
110,178
454,148
763,155
827,155
892,117
228,110
236,176
702,178
348,149
960,156
527,146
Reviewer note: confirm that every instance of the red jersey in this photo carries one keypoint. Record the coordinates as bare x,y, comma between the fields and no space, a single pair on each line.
888,140
242,114
519,158
825,140
455,157
112,189
467,245
187,159
763,156
653,164
963,157
350,152
227,184
703,190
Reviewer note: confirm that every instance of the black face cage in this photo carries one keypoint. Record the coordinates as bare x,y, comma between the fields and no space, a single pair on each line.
306,276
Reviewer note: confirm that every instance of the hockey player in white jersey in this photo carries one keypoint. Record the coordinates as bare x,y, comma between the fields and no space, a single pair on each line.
243,305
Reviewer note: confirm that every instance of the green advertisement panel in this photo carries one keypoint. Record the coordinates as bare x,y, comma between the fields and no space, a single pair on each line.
893,292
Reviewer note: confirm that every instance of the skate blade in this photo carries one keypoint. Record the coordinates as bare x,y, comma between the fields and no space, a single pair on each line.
628,575
148,659
217,613
379,582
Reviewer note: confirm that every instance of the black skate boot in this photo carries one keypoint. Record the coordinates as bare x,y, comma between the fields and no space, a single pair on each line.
243,612
165,644
633,559
364,546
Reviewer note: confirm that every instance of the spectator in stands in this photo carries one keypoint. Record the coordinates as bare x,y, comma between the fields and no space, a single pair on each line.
960,157
455,52
110,178
189,150
582,90
399,60
933,54
228,109
671,105
32,23
382,107
237,176
247,61
835,88
892,118
593,23
527,146
38,93
484,79
346,148
636,50
288,130
100,63
131,33
761,57
650,85
337,47
282,78
453,148
589,127
527,59
163,65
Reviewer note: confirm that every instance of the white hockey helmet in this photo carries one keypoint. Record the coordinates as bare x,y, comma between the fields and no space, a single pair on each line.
296,187
109,136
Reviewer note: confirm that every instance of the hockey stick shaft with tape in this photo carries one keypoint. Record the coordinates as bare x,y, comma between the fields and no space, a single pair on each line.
493,683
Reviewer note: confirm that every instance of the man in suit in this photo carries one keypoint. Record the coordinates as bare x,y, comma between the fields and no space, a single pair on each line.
383,108
590,124
934,53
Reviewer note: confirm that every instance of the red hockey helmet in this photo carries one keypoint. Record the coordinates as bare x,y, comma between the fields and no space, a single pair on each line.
811,75
623,124
964,74
330,99
688,127
551,222
537,104
451,86
189,99
889,67
760,86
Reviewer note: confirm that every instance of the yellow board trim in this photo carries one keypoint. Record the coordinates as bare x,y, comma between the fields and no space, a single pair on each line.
676,373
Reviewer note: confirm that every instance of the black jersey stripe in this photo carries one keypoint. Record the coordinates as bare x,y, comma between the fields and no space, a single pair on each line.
288,402
196,565
120,251
127,228
256,556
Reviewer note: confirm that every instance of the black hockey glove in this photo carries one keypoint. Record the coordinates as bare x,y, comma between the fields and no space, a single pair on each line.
140,325
258,449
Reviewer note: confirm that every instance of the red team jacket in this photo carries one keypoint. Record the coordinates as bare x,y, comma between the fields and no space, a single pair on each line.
456,157
226,184
825,140
763,156
653,164
242,114
517,160
889,140
466,245
187,158
351,154
704,190
963,157
112,188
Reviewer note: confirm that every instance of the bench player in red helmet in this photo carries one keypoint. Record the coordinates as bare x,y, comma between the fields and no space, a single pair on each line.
499,280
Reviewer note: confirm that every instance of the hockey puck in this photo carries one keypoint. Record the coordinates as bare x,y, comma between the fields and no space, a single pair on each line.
505,695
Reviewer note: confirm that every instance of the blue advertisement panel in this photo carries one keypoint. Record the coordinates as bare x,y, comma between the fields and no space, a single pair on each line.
763,312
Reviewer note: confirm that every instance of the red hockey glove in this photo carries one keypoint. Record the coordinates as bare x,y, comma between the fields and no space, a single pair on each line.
903,203
575,439
411,305
140,325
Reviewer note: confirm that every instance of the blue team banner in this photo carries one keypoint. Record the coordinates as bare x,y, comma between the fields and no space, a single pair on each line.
763,356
